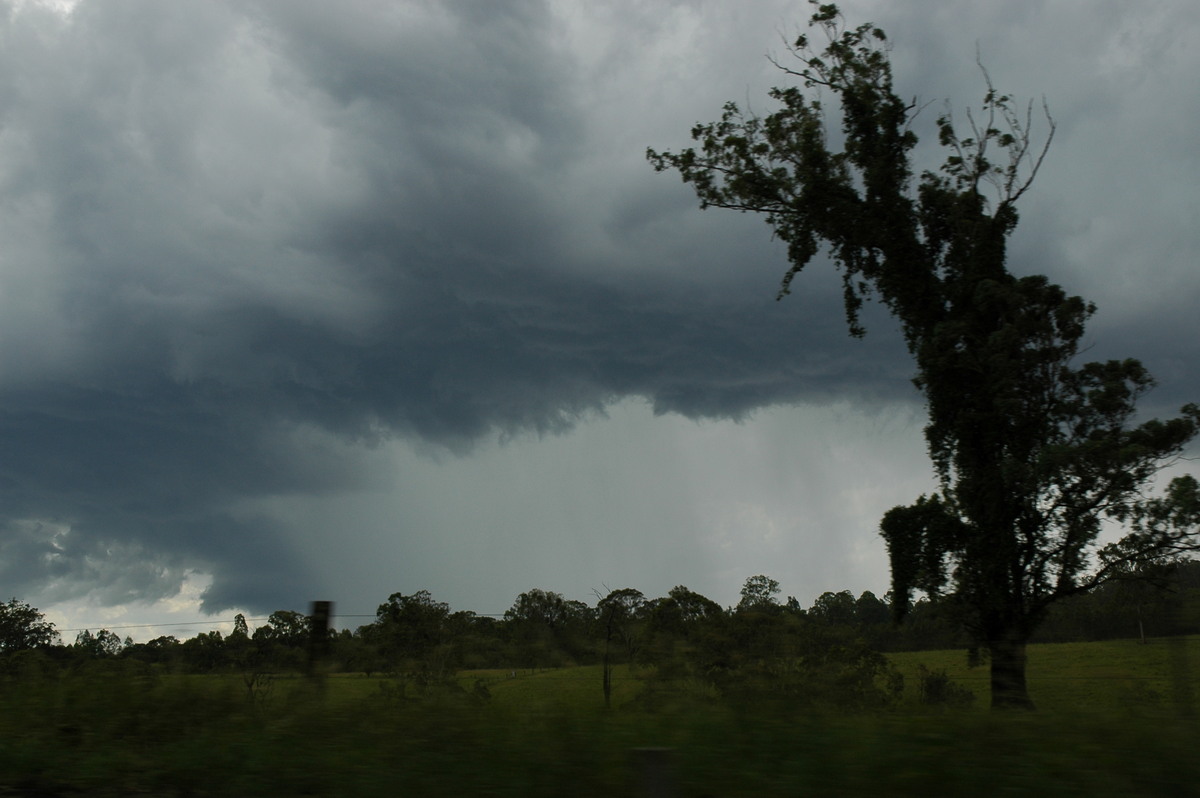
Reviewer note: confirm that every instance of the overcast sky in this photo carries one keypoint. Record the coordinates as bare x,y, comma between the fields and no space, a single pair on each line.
309,300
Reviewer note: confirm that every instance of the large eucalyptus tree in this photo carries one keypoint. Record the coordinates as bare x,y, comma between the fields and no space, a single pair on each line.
1033,451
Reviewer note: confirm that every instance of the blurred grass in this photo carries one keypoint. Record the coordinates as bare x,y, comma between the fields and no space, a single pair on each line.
1101,676
1107,727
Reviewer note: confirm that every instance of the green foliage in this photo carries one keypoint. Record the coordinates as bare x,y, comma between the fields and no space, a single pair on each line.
770,655
681,611
548,630
1157,600
839,609
412,634
23,627
935,688
621,615
1033,452
758,594
1099,678
119,728
102,644
285,627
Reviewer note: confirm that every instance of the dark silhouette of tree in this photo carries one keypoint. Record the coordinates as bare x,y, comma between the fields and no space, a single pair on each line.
1033,452
835,608
165,650
102,644
619,613
289,627
546,628
688,607
758,595
240,627
23,627
681,612
412,632
1156,600
204,653
870,610
675,624
537,606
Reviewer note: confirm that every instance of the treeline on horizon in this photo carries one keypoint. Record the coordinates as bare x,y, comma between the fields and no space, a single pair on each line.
683,632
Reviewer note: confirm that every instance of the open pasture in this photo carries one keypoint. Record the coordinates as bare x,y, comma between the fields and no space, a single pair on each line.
1101,676
1107,728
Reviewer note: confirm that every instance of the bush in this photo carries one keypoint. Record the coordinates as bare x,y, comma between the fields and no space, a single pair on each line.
935,688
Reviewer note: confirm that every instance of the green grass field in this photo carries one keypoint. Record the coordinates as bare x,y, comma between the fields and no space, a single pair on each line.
1104,676
1108,726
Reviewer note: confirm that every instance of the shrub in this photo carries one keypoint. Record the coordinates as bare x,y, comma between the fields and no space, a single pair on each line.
935,688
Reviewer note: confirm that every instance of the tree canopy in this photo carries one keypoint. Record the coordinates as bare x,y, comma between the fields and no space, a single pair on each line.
23,627
1033,452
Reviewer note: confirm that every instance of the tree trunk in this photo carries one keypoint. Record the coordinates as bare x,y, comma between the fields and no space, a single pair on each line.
607,684
1008,674
607,670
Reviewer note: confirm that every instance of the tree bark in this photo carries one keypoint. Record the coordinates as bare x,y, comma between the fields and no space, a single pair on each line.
1008,674
607,668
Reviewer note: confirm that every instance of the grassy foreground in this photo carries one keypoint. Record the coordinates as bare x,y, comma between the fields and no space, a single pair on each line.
1108,727
1107,676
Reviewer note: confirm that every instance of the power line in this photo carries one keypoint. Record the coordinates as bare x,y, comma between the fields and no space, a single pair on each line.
153,625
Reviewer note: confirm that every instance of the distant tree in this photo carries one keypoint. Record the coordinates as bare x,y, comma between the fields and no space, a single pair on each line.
682,610
758,595
287,627
361,650
692,606
204,653
477,640
1033,453
240,627
619,614
240,650
843,609
930,624
541,607
837,609
103,644
24,627
279,645
546,628
675,625
160,650
412,633
871,610
766,654
1151,601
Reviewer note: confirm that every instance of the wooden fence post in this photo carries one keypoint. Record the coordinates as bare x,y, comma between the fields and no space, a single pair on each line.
318,640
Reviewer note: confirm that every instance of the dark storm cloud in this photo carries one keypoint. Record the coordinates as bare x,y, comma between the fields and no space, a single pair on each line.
238,245
247,244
